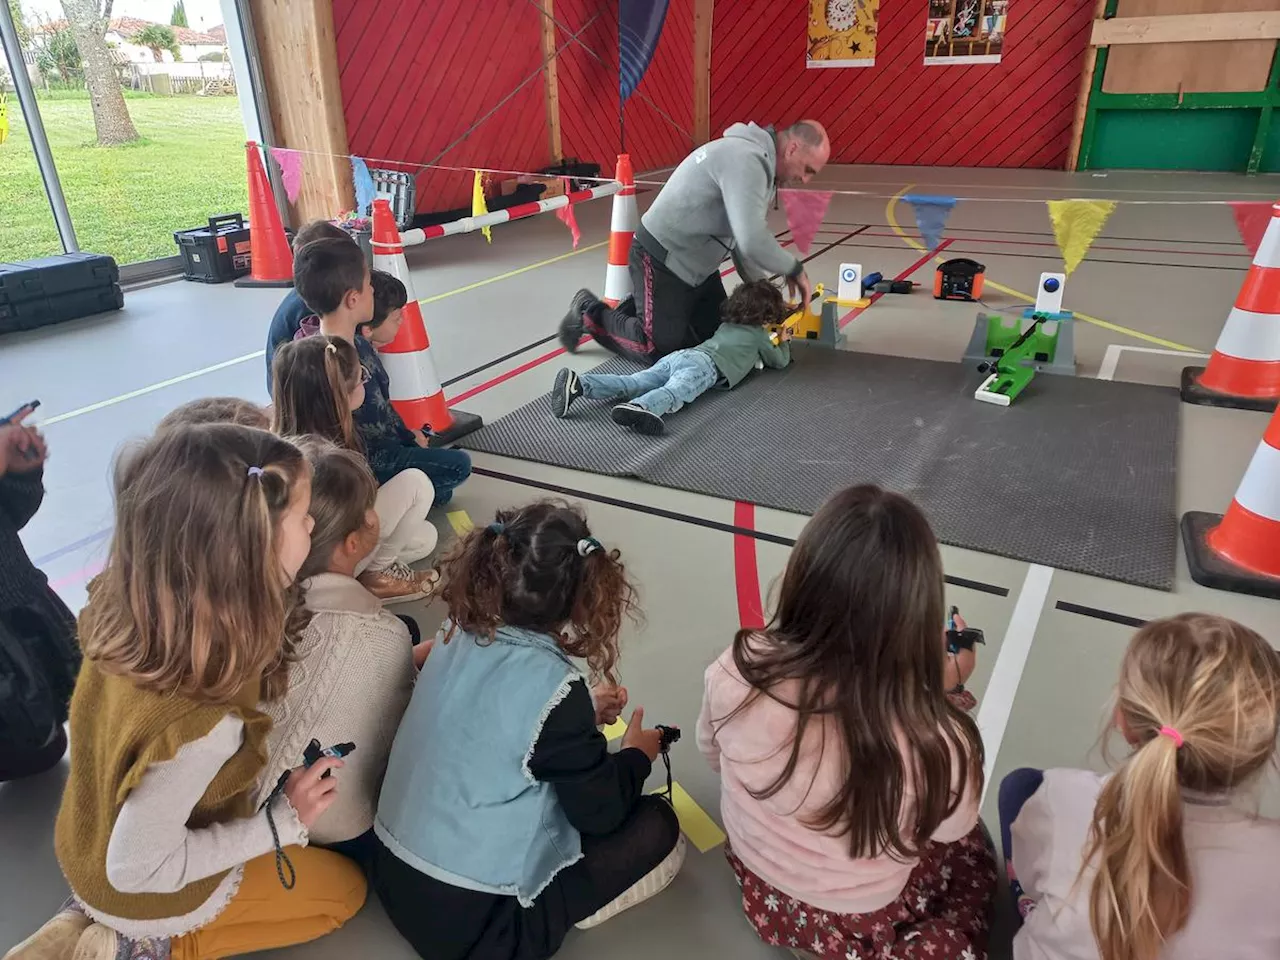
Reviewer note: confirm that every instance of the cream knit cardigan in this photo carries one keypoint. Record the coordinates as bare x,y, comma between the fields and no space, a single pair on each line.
351,683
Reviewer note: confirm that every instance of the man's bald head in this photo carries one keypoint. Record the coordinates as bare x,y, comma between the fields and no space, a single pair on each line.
803,150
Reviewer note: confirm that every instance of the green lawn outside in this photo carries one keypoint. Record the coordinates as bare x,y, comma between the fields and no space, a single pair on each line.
124,201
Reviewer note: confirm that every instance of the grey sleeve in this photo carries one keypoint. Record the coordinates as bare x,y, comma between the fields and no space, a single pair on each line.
744,188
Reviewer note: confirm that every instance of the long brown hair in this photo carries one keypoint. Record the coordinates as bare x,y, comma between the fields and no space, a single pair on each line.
1215,685
859,629
192,600
342,494
312,382
527,569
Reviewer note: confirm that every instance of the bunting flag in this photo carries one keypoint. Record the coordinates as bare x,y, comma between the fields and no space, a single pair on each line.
805,210
364,187
4,117
931,216
567,216
1076,224
639,28
1251,220
478,204
290,163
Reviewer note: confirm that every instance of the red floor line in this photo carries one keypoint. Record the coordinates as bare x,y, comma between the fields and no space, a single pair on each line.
746,569
858,311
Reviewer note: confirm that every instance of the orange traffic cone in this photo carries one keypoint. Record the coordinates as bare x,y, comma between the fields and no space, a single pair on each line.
1244,370
272,257
622,229
416,392
1240,551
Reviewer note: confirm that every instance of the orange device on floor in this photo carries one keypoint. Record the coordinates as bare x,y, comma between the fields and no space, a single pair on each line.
959,279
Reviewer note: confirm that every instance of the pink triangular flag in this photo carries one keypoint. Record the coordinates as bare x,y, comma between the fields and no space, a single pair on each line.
290,170
569,218
805,210
1251,220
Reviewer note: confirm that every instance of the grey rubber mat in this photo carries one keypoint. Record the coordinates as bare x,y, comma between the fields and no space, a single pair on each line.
1078,474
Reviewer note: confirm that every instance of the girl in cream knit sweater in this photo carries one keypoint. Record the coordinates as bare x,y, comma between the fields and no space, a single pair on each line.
355,663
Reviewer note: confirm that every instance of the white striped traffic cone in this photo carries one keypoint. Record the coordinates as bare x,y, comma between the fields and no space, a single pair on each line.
1240,551
622,229
1244,370
415,386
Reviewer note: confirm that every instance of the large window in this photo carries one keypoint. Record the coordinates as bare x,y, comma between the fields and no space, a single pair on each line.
27,226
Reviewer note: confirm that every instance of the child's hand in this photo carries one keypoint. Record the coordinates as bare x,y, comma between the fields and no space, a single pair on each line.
647,741
786,335
312,793
420,438
421,651
610,701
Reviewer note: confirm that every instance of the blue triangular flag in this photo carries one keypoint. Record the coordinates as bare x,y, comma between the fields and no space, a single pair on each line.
931,216
364,187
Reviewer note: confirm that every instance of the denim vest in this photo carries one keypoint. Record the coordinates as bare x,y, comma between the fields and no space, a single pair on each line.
459,803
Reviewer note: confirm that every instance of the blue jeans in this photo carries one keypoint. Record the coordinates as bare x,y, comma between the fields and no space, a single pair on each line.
447,468
676,379
1015,790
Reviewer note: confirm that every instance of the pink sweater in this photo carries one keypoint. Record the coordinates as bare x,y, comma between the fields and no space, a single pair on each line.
770,836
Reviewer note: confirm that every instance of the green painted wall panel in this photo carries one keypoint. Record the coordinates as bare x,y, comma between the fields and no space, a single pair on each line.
1174,139
1271,149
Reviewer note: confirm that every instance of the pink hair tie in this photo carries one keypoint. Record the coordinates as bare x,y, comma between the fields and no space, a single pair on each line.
1173,735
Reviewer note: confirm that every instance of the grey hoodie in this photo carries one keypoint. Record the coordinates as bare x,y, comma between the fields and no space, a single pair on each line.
716,202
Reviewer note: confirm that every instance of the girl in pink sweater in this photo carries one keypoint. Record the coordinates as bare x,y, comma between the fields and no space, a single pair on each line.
849,782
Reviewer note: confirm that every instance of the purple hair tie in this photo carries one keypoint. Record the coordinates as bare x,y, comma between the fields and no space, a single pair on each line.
256,471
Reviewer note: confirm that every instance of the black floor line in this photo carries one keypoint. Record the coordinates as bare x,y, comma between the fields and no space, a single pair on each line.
1080,610
502,359
564,491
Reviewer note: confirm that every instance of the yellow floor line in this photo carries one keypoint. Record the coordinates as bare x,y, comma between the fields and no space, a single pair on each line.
889,213
703,832
513,273
461,522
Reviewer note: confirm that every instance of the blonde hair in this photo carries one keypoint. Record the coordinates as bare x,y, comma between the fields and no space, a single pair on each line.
192,601
1198,698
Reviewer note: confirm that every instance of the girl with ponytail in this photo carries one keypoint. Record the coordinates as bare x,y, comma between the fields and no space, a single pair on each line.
1166,859
319,382
504,819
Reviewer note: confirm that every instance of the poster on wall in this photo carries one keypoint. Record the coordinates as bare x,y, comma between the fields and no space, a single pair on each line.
842,33
965,31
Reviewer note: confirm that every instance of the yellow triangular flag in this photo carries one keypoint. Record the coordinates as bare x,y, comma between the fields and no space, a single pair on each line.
478,205
4,117
1076,224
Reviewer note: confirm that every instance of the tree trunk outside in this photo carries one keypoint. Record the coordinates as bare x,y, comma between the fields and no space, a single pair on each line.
110,115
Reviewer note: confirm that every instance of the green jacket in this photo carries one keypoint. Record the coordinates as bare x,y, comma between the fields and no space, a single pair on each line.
737,350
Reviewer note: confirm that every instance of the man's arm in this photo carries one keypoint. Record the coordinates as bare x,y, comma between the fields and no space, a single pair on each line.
745,189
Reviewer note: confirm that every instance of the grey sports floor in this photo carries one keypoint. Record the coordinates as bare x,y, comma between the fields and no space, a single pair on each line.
1161,277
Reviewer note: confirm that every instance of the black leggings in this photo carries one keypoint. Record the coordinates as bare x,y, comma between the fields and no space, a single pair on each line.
444,922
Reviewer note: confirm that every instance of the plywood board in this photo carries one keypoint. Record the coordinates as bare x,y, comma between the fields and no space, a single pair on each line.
1211,66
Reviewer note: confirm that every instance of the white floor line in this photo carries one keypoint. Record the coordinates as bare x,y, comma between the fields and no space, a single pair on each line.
1111,359
1002,688
49,421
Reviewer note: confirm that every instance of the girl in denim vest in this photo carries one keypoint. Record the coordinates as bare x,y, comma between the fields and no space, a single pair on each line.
504,819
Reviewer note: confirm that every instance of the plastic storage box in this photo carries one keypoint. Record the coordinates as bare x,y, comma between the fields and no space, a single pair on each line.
216,253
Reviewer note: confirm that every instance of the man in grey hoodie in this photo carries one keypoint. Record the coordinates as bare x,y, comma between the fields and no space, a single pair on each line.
714,204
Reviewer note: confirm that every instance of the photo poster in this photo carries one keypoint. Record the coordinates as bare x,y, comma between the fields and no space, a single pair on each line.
842,33
965,31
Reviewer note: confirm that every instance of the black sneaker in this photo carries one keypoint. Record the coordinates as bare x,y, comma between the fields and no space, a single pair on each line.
567,389
572,327
638,419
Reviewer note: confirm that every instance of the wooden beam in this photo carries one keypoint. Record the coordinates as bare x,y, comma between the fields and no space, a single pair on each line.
702,10
1086,88
299,57
549,75
1187,28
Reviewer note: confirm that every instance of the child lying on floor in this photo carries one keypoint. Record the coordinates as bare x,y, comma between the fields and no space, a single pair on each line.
740,344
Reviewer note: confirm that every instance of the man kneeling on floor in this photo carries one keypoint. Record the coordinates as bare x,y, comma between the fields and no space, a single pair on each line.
715,202
742,343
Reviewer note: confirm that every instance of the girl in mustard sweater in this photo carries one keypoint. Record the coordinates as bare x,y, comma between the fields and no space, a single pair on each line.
187,628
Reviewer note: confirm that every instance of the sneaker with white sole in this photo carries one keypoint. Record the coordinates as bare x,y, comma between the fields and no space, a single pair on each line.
647,887
568,388
638,419
400,583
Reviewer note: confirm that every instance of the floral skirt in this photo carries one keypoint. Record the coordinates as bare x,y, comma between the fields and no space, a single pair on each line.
943,913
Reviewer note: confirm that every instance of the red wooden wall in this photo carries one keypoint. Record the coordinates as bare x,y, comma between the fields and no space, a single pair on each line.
416,74
1017,113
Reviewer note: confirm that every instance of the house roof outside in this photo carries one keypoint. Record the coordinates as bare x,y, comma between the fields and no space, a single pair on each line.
129,27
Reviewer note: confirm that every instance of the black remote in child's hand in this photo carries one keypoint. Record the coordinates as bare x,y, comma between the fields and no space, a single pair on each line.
667,736
314,753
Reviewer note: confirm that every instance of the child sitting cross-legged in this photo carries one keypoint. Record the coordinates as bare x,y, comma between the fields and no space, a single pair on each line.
499,832
849,781
353,667
318,383
741,344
